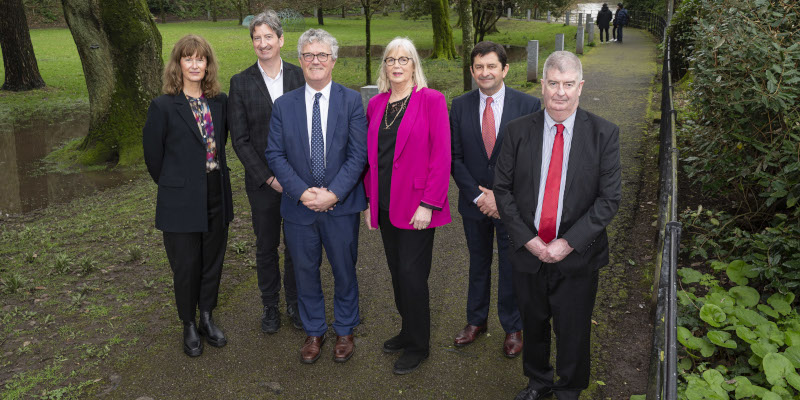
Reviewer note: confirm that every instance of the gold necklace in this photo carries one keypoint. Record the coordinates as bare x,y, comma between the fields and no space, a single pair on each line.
387,125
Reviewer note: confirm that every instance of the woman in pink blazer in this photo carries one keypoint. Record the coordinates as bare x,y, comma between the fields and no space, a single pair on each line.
408,148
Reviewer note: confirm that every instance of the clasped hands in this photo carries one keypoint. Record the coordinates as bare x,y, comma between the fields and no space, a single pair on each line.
550,253
319,199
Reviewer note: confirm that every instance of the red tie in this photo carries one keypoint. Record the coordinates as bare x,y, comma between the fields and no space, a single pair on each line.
487,128
547,221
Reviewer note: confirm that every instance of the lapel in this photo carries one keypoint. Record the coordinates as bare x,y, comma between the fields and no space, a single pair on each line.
536,138
508,103
258,81
404,129
334,105
581,129
301,124
473,112
185,111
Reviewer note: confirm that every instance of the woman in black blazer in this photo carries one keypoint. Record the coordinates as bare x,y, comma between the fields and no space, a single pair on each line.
184,149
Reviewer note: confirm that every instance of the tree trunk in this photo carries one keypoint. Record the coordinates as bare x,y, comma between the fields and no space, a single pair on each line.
344,14
120,50
443,46
163,6
320,20
368,52
465,14
19,60
213,5
240,9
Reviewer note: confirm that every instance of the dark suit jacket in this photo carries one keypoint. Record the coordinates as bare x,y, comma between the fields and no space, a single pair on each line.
604,18
591,197
175,154
471,165
289,154
249,111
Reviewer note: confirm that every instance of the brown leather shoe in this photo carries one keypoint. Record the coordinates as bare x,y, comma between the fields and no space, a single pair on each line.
344,348
513,344
468,335
311,349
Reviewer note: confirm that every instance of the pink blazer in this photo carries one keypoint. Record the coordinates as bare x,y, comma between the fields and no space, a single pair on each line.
421,158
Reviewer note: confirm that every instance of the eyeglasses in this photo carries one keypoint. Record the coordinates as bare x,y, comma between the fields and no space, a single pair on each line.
390,60
322,57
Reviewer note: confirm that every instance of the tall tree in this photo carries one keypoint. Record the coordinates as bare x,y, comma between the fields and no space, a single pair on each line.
320,19
485,14
120,50
443,46
19,60
465,15
370,6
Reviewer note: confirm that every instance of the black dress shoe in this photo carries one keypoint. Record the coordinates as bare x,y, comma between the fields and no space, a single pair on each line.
192,344
214,335
394,345
408,362
270,319
532,394
294,315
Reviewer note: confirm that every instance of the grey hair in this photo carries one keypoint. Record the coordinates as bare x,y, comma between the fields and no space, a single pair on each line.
269,18
406,44
318,35
563,61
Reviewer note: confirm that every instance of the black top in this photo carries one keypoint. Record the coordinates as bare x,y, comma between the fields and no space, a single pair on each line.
387,139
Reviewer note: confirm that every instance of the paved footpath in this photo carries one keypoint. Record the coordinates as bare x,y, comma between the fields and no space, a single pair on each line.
256,365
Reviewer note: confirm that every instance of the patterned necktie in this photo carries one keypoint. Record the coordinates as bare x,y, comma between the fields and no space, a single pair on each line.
547,221
317,144
487,128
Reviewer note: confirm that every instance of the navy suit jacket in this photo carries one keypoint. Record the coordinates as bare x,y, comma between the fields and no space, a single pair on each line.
289,155
471,165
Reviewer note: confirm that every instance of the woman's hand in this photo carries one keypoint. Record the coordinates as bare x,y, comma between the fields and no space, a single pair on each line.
368,220
421,218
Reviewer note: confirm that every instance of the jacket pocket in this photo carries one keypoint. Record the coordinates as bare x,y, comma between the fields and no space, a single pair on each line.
171,181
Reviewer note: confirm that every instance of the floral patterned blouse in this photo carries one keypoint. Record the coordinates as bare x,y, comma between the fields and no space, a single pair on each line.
202,114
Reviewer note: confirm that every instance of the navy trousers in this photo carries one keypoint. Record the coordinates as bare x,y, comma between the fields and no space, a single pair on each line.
339,237
480,234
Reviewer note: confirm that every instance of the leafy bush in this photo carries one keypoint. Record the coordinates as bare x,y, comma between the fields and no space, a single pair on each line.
739,343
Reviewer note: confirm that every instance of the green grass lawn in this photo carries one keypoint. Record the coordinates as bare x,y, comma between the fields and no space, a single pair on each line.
66,91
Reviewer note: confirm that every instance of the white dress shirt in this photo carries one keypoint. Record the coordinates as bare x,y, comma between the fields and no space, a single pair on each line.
324,101
548,138
498,99
274,86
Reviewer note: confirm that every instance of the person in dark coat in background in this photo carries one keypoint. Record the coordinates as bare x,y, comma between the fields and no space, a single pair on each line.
184,149
604,17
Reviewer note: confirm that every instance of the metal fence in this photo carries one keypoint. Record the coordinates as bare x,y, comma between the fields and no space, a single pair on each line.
663,376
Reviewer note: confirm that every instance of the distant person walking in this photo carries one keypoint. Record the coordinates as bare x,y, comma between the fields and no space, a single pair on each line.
620,20
184,149
604,18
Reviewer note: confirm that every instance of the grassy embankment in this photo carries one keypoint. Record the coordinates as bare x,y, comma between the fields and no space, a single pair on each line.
85,285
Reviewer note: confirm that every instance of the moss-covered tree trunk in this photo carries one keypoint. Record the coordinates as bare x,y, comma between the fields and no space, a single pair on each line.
443,46
465,14
19,60
120,50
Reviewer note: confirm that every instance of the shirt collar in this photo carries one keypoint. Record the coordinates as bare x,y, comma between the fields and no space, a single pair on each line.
495,97
326,91
568,123
280,73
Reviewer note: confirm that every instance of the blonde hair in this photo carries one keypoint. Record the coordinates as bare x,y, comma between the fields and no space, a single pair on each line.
418,77
188,46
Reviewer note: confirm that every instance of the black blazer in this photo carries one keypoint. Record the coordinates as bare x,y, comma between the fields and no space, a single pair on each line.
591,197
604,17
249,112
175,154
471,165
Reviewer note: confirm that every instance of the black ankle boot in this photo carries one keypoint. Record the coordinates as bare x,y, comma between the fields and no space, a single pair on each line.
214,335
192,344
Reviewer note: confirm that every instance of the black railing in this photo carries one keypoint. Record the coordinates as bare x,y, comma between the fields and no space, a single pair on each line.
663,377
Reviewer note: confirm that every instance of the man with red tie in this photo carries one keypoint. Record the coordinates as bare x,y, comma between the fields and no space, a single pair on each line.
558,185
477,119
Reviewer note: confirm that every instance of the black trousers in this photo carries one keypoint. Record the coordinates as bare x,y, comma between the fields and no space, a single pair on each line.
568,301
409,254
267,227
196,257
605,30
614,31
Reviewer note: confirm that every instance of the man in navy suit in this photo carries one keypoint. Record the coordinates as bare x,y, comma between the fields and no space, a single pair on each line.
317,149
477,120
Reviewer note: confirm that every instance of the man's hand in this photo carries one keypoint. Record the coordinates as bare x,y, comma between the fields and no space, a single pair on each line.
487,204
274,184
556,251
324,200
368,219
421,218
537,247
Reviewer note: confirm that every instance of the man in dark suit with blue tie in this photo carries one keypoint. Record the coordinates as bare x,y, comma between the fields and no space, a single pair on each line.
318,149
477,120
